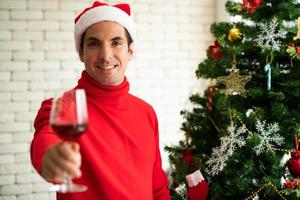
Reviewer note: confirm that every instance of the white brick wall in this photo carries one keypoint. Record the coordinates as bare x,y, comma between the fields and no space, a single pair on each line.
37,58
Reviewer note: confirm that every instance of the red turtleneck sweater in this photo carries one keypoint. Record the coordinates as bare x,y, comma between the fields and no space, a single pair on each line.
120,149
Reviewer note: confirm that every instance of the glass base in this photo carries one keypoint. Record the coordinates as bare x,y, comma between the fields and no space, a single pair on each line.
68,187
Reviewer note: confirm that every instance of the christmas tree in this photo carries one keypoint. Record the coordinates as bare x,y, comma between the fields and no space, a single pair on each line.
242,132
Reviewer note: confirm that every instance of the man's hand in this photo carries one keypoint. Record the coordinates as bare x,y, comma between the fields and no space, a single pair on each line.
60,161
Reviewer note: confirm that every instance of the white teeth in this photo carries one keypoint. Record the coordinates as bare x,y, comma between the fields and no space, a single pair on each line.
108,67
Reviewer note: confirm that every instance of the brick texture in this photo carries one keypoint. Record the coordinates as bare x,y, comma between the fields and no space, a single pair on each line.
38,58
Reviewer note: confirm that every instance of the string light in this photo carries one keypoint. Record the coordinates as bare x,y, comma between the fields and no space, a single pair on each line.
269,184
282,150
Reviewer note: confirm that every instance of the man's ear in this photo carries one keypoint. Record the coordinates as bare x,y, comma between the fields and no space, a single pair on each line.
81,55
131,50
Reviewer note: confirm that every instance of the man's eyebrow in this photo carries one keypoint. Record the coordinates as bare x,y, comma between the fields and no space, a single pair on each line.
117,39
91,38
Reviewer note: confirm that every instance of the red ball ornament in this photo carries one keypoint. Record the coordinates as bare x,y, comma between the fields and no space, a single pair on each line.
187,156
215,50
292,184
250,6
297,48
289,185
294,161
296,183
294,164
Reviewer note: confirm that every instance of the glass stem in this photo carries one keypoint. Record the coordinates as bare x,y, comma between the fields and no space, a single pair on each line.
69,182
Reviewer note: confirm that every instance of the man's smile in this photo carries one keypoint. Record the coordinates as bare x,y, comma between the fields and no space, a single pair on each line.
106,67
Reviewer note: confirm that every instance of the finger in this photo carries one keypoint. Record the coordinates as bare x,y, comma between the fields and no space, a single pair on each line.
61,164
49,170
52,173
66,150
77,156
75,146
56,167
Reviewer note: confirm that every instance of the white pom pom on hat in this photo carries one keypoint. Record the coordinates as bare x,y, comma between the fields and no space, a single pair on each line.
98,12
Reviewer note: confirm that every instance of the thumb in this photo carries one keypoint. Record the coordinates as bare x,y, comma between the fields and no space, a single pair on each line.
75,146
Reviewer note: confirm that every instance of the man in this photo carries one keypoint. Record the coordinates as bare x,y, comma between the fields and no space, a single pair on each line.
118,156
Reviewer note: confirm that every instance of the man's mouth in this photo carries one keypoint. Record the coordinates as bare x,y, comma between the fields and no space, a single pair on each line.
107,67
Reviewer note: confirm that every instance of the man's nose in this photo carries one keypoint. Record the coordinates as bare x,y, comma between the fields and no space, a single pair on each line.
105,52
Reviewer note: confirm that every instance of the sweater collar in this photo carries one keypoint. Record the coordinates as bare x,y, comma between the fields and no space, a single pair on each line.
96,89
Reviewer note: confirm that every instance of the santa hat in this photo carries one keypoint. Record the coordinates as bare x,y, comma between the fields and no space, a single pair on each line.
98,12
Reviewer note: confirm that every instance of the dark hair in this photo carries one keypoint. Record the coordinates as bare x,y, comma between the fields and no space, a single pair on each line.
128,37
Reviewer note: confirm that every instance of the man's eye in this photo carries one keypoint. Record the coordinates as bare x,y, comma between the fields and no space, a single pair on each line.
92,44
116,43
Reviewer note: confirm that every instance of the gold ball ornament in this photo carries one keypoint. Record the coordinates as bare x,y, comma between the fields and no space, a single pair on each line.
234,34
297,37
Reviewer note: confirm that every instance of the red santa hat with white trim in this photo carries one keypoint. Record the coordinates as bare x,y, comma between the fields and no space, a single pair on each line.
98,12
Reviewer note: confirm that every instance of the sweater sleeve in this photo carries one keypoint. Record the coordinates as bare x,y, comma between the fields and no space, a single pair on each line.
44,137
160,180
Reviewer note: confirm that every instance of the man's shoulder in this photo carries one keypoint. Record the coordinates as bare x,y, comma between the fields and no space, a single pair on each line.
144,109
140,102
42,116
45,106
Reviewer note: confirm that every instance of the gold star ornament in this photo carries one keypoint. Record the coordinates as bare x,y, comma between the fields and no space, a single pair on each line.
235,83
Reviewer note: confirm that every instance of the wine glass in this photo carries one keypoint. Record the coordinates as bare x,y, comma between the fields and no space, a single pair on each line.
69,119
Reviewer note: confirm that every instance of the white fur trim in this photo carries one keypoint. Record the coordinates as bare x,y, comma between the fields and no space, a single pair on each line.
103,13
194,178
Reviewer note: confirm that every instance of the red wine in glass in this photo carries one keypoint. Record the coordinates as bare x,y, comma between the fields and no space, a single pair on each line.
68,118
69,130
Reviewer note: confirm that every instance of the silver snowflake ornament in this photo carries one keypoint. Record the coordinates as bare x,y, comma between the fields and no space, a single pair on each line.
217,162
270,35
234,140
181,190
229,144
268,136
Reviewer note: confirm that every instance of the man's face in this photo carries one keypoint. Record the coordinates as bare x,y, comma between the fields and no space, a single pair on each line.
105,52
